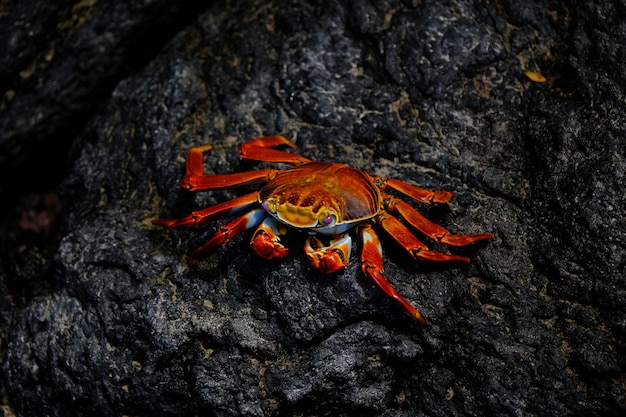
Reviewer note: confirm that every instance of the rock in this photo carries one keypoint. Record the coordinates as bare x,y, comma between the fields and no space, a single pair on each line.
59,62
425,92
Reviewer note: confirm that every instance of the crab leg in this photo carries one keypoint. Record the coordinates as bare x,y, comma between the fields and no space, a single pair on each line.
401,234
259,150
217,211
195,180
225,233
416,193
193,163
332,257
266,240
372,265
430,229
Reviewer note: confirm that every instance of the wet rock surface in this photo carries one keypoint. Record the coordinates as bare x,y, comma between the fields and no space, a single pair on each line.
108,318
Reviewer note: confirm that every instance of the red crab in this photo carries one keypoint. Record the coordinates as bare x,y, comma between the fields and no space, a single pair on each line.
320,198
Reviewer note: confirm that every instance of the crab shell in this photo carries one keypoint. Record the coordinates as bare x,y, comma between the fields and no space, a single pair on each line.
321,197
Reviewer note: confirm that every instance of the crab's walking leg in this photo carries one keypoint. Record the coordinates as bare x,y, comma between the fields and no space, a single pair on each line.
416,193
401,234
192,182
372,265
266,239
225,233
196,180
194,161
200,217
430,229
332,257
259,149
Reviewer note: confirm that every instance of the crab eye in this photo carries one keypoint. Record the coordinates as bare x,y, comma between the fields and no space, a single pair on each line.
269,205
327,219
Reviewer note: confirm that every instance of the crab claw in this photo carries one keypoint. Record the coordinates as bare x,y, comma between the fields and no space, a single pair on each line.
266,240
329,258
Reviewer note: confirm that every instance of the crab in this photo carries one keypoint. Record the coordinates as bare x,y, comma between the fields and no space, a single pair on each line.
326,200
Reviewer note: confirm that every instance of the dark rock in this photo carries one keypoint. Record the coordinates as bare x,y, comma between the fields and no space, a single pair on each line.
425,92
59,61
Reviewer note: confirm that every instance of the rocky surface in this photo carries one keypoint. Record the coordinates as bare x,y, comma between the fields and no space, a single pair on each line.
108,318
59,63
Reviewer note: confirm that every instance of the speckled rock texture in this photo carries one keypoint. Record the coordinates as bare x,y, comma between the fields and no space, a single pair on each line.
115,321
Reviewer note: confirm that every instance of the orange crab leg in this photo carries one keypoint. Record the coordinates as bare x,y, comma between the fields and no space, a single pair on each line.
217,211
259,150
215,182
225,233
194,161
430,229
266,240
401,234
195,180
372,265
332,257
416,193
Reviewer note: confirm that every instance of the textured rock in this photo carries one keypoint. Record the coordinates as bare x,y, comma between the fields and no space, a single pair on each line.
426,92
59,62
